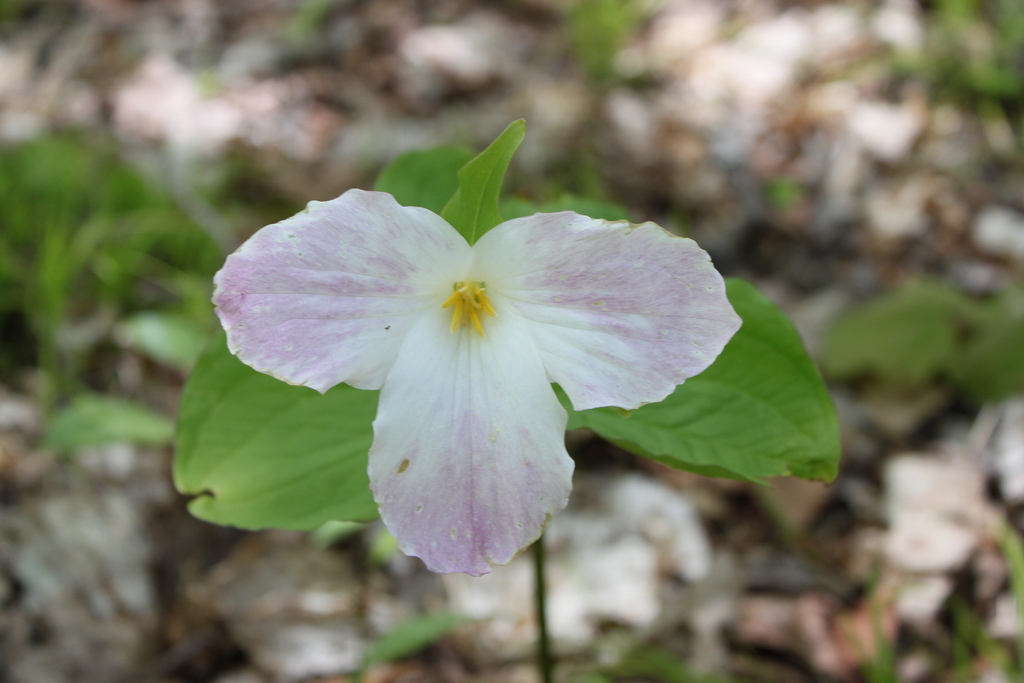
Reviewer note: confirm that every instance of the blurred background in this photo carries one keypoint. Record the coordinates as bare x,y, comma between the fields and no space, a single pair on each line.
860,161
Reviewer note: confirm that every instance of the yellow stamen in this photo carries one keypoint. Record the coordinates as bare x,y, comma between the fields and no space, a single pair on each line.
468,299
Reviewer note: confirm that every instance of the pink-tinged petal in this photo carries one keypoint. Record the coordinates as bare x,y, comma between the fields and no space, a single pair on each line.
468,462
621,313
328,295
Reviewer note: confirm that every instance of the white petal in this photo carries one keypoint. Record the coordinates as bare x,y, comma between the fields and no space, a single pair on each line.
327,295
621,313
468,462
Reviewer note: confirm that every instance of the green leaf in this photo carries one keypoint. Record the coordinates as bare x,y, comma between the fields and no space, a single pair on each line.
307,20
652,663
383,546
1013,551
928,331
991,366
425,178
473,209
761,410
99,420
329,533
165,337
410,637
598,29
258,453
907,337
784,193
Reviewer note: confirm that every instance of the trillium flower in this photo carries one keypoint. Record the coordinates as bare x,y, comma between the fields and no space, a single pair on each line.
468,462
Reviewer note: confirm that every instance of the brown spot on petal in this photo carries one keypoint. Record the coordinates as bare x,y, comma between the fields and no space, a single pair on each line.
404,466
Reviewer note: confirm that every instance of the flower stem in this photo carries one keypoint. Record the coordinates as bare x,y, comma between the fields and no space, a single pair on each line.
544,662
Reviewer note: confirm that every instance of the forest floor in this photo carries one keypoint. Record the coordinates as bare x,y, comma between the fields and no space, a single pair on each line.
829,152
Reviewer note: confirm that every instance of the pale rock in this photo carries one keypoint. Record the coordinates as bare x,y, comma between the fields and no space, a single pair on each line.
18,413
767,621
992,675
888,131
845,173
438,60
279,114
937,512
588,582
605,563
630,62
898,23
999,231
615,581
683,123
915,668
978,277
830,101
816,625
919,600
756,69
786,38
1006,450
497,600
1005,621
19,124
610,557
82,563
723,74
96,546
448,52
633,123
162,101
714,604
389,610
680,30
898,211
246,675
246,60
298,652
838,33
290,606
116,462
680,108
668,519
943,487
78,105
557,109
17,65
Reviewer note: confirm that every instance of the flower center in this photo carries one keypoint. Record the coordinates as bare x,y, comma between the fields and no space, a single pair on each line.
468,300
